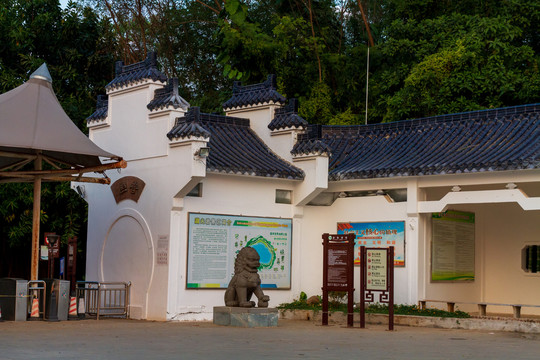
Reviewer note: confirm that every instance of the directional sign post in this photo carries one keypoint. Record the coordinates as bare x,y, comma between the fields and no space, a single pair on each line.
377,275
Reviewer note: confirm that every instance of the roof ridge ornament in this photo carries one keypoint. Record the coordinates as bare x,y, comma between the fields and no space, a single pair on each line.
287,118
168,96
189,126
255,94
311,147
126,75
42,73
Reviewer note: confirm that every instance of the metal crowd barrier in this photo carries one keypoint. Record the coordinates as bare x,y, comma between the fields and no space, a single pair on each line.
36,289
104,298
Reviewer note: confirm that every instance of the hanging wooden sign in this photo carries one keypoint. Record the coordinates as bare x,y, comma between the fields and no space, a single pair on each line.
127,188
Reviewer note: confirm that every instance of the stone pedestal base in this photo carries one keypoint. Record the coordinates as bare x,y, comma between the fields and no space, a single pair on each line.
245,317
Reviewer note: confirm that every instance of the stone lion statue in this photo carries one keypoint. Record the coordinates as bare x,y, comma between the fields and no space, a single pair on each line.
246,281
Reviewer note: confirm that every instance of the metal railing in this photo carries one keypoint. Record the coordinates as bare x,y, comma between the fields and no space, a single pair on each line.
104,298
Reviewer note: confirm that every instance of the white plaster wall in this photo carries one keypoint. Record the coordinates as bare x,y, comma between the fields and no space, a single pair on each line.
132,133
229,195
122,238
502,230
282,143
508,232
259,117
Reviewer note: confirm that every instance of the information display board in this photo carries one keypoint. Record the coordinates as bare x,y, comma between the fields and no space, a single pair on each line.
377,269
214,240
339,266
377,275
338,271
377,235
452,246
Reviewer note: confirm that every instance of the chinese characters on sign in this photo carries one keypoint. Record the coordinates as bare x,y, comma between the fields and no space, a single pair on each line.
337,267
376,270
377,235
377,275
338,271
162,254
127,188
214,240
452,250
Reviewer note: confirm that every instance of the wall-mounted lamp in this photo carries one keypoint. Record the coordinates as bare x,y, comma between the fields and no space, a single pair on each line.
456,188
202,152
511,186
342,195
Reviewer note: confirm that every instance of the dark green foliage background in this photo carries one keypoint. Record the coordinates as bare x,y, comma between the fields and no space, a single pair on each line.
79,52
429,57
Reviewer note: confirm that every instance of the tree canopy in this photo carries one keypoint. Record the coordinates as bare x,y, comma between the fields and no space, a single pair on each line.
79,51
426,57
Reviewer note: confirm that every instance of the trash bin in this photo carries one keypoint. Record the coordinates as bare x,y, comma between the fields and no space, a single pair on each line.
61,290
14,299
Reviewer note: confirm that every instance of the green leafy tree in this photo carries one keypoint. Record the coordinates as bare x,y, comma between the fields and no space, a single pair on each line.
182,34
454,56
307,44
77,47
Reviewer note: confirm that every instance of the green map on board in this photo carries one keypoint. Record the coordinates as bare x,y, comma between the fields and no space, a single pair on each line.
266,251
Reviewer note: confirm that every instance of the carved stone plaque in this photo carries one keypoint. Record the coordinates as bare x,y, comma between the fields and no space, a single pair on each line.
127,188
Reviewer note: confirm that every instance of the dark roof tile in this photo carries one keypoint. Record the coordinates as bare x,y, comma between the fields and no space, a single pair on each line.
287,117
254,94
134,73
478,141
168,96
188,126
311,147
102,107
235,148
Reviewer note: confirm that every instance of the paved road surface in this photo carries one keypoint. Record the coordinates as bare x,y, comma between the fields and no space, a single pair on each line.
130,339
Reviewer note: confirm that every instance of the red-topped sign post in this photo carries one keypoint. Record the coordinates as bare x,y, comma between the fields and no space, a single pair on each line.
338,271
377,275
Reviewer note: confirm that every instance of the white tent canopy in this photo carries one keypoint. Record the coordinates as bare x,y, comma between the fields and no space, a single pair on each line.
35,129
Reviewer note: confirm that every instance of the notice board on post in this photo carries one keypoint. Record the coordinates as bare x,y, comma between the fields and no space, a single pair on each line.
452,246
338,271
214,240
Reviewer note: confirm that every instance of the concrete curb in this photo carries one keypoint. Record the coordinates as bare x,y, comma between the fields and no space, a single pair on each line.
486,324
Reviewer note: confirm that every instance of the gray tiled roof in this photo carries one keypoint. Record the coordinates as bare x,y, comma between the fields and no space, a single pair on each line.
102,108
287,117
311,146
168,96
234,147
254,94
478,141
188,126
134,73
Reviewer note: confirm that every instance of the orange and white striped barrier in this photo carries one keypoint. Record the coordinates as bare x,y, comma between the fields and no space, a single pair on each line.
72,308
34,314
